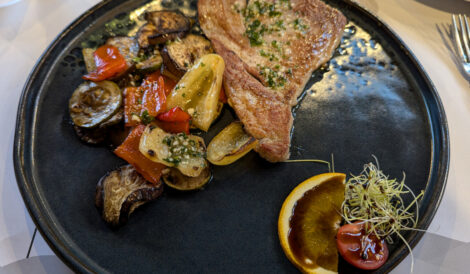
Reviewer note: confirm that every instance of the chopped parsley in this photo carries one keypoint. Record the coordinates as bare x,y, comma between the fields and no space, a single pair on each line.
181,148
146,118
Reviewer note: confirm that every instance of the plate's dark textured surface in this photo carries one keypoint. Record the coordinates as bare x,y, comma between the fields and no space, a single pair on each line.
367,100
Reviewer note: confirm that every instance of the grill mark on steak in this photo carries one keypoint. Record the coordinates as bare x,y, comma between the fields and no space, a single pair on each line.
264,109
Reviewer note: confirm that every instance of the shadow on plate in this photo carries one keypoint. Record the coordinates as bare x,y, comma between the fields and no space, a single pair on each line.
451,6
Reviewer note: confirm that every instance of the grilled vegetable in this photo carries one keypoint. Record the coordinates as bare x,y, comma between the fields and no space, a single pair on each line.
121,191
149,64
109,62
127,46
179,56
89,59
94,103
163,26
175,179
230,144
129,151
198,91
114,120
185,152
92,136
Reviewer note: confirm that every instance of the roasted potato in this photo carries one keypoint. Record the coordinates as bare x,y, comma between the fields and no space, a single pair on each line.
176,180
184,152
179,56
163,26
198,91
230,144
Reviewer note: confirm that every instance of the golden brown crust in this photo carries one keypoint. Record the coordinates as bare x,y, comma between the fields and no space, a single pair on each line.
265,111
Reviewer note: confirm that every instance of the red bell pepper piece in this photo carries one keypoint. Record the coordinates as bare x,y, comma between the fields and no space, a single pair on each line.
175,114
109,63
154,99
169,83
175,120
129,151
173,127
132,105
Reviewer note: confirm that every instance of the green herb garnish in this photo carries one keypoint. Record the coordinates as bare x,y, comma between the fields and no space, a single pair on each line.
146,118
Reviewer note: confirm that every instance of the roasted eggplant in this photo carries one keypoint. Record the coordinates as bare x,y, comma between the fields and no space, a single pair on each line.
163,26
179,55
177,180
121,191
94,103
92,136
184,152
149,63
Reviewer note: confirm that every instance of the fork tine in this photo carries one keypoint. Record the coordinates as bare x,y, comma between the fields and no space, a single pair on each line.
464,36
457,38
467,28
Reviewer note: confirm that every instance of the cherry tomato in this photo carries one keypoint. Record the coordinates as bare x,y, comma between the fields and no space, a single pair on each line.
362,251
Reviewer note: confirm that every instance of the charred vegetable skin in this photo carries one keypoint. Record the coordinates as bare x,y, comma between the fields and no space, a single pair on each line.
176,180
121,191
163,26
94,103
179,56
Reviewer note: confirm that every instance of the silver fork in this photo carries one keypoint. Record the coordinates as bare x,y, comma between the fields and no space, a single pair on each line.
462,36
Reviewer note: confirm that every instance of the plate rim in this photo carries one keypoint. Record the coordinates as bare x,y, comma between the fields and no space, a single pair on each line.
82,263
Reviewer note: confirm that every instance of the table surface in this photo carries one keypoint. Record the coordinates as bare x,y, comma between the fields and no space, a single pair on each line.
28,27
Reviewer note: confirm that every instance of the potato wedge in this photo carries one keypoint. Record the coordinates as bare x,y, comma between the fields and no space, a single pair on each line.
230,144
198,91
184,152
176,180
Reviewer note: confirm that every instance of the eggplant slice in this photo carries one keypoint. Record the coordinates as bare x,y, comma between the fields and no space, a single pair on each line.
121,191
163,26
179,56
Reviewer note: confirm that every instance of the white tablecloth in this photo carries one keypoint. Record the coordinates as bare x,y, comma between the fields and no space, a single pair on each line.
27,28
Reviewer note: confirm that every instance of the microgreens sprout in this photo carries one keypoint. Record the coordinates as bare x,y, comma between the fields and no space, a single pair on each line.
375,200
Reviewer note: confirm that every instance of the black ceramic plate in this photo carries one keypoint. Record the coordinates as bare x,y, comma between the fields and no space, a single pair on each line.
371,98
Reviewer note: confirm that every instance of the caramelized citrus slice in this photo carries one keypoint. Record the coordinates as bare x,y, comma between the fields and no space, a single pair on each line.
309,220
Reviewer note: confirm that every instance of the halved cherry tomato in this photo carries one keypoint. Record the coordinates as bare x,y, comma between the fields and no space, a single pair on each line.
109,63
362,251
175,114
129,151
154,100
